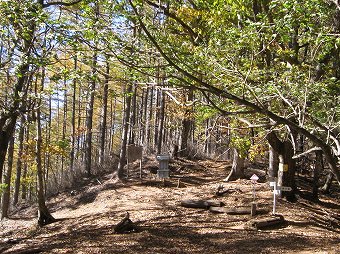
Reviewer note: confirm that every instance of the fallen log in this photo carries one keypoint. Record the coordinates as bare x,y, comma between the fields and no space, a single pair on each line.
125,225
25,251
222,191
203,204
277,220
237,210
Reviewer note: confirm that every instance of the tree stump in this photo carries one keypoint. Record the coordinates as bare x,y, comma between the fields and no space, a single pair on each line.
125,226
276,220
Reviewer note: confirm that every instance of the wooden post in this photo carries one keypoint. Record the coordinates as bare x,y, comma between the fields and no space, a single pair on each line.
127,167
253,209
140,168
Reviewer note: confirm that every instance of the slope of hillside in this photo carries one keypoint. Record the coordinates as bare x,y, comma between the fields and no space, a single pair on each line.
87,215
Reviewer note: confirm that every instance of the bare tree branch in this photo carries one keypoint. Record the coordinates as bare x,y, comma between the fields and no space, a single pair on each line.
307,152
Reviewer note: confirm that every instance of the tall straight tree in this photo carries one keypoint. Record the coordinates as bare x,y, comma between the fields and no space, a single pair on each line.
19,164
103,124
125,131
73,116
89,117
161,122
89,111
187,126
44,216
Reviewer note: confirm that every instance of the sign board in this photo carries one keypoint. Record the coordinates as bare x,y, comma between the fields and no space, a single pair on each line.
284,188
283,167
272,184
134,153
163,157
254,178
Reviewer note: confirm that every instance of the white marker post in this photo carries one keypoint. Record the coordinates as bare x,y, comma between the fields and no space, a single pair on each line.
254,178
276,191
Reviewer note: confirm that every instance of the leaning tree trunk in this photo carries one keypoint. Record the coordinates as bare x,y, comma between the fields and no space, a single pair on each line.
8,120
318,167
6,132
7,181
237,169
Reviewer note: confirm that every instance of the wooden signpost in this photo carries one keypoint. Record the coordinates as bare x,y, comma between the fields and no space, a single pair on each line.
254,178
276,191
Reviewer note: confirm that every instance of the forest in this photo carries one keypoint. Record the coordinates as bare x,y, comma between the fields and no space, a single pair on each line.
214,84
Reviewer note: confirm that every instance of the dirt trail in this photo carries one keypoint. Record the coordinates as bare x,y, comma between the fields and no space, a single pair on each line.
88,216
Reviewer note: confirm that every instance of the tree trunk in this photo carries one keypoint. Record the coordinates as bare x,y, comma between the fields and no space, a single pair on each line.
273,162
318,167
48,156
62,166
326,187
132,133
104,113
161,123
187,125
81,135
144,107
286,171
286,175
7,181
24,186
5,135
156,120
150,106
237,169
73,117
44,216
89,118
19,161
113,123
122,156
